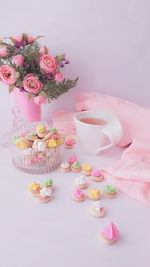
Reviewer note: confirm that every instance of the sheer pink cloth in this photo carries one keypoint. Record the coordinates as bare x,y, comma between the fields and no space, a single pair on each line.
131,174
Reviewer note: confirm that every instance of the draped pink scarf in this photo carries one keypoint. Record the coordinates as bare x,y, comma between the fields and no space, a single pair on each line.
131,174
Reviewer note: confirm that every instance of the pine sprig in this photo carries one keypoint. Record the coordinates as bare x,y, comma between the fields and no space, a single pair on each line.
54,89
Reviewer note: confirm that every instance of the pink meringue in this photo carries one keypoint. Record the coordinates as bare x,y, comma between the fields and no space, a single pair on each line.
78,195
96,173
72,160
110,233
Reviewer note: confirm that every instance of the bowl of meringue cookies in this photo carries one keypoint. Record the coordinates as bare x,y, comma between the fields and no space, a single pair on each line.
37,148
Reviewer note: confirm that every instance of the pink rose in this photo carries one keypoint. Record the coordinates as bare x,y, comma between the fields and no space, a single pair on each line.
31,84
7,75
43,50
18,60
18,38
47,63
3,51
39,100
58,76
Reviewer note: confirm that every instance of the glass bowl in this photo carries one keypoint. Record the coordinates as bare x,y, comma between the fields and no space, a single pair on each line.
31,160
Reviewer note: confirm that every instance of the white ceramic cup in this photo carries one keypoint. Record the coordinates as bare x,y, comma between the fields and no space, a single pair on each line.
93,137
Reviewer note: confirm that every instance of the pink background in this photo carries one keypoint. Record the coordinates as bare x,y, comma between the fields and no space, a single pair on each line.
108,45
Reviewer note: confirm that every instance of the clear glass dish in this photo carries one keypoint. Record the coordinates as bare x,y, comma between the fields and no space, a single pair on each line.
28,159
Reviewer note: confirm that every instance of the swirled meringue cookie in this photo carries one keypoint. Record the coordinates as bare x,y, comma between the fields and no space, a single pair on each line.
65,167
110,234
45,195
41,130
96,209
80,182
34,188
39,145
72,160
93,194
31,136
97,176
109,191
71,138
22,143
49,184
76,167
15,138
69,144
78,195
86,169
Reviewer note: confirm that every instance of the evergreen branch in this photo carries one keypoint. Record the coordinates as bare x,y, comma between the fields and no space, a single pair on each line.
54,89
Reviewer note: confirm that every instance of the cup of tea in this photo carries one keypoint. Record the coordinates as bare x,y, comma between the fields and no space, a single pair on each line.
97,130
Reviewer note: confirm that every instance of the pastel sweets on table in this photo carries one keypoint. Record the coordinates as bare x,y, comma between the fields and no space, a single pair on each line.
22,143
65,167
96,209
34,188
38,148
45,195
110,234
81,182
42,193
69,144
76,167
78,195
31,136
109,191
86,169
49,184
52,133
70,141
71,138
41,131
71,160
93,194
97,176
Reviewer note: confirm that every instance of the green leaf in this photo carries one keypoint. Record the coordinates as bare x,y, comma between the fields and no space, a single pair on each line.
11,39
19,83
30,96
42,93
11,88
54,89
17,74
39,36
59,58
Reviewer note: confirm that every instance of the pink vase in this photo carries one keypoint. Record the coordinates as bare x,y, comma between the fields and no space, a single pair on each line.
29,110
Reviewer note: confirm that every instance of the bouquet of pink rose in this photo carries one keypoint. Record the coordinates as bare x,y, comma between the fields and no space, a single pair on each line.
30,68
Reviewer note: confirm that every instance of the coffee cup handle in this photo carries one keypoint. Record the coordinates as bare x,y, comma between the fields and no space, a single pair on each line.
114,134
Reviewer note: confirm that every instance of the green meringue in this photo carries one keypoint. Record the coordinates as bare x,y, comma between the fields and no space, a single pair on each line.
109,189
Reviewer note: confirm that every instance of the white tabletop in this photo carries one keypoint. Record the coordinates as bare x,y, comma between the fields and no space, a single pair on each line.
62,232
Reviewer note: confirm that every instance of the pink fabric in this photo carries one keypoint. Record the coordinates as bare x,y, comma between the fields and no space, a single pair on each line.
63,121
131,174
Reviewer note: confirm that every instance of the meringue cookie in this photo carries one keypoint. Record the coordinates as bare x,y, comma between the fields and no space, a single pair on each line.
96,209
110,234
45,195
80,182
65,167
39,145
